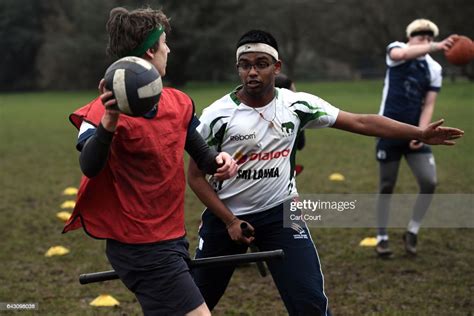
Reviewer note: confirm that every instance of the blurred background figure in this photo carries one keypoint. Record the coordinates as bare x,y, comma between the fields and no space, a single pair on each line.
412,82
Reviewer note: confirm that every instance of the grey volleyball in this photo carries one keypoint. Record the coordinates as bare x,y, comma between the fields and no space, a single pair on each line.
135,83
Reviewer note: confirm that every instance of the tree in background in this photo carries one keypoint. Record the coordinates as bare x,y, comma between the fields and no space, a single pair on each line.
21,37
61,44
73,52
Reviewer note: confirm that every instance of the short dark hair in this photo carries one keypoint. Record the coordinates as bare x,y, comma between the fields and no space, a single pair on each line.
282,81
258,36
128,29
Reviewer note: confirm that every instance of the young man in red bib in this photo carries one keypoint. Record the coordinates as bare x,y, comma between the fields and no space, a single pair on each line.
132,193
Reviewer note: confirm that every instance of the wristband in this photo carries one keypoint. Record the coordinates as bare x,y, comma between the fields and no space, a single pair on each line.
231,223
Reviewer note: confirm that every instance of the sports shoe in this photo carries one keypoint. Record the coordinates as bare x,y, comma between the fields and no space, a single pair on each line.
410,242
383,250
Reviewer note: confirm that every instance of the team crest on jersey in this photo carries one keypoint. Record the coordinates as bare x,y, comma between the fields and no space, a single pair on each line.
381,154
288,127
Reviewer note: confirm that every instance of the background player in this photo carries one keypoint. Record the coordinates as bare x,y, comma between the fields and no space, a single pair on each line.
412,83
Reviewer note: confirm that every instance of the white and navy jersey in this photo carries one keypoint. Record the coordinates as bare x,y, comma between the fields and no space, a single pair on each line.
262,141
406,85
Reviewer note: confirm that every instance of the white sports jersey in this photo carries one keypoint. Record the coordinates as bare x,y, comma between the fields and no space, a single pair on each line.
262,141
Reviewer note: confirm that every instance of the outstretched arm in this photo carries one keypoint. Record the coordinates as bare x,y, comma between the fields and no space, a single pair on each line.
381,126
415,51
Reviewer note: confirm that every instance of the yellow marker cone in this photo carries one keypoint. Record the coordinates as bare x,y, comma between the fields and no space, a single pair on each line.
70,191
56,251
68,204
63,215
336,177
368,242
104,300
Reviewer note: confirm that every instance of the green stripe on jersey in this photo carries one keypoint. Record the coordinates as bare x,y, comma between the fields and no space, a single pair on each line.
305,117
215,139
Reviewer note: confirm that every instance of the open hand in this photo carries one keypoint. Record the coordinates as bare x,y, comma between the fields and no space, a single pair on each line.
435,134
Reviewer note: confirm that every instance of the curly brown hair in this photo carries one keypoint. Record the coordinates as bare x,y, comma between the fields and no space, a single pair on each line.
128,29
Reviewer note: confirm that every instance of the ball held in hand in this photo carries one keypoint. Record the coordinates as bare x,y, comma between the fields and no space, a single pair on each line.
462,52
135,83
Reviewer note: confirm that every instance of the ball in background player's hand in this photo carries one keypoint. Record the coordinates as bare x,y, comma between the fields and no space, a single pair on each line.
462,51
135,83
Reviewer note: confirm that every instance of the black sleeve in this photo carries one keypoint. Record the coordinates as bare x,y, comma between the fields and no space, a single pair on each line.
194,123
300,140
203,155
95,152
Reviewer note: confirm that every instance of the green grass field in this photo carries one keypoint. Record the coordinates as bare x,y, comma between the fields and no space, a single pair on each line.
38,161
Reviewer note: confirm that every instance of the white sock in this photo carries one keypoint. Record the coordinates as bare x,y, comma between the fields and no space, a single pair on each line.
413,227
381,237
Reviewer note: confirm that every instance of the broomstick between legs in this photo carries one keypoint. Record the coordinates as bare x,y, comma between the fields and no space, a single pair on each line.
194,263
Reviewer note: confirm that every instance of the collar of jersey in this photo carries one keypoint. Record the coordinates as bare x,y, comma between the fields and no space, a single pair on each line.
233,94
152,113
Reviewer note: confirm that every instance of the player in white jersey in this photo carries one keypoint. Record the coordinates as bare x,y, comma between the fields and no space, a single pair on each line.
412,83
262,141
257,124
